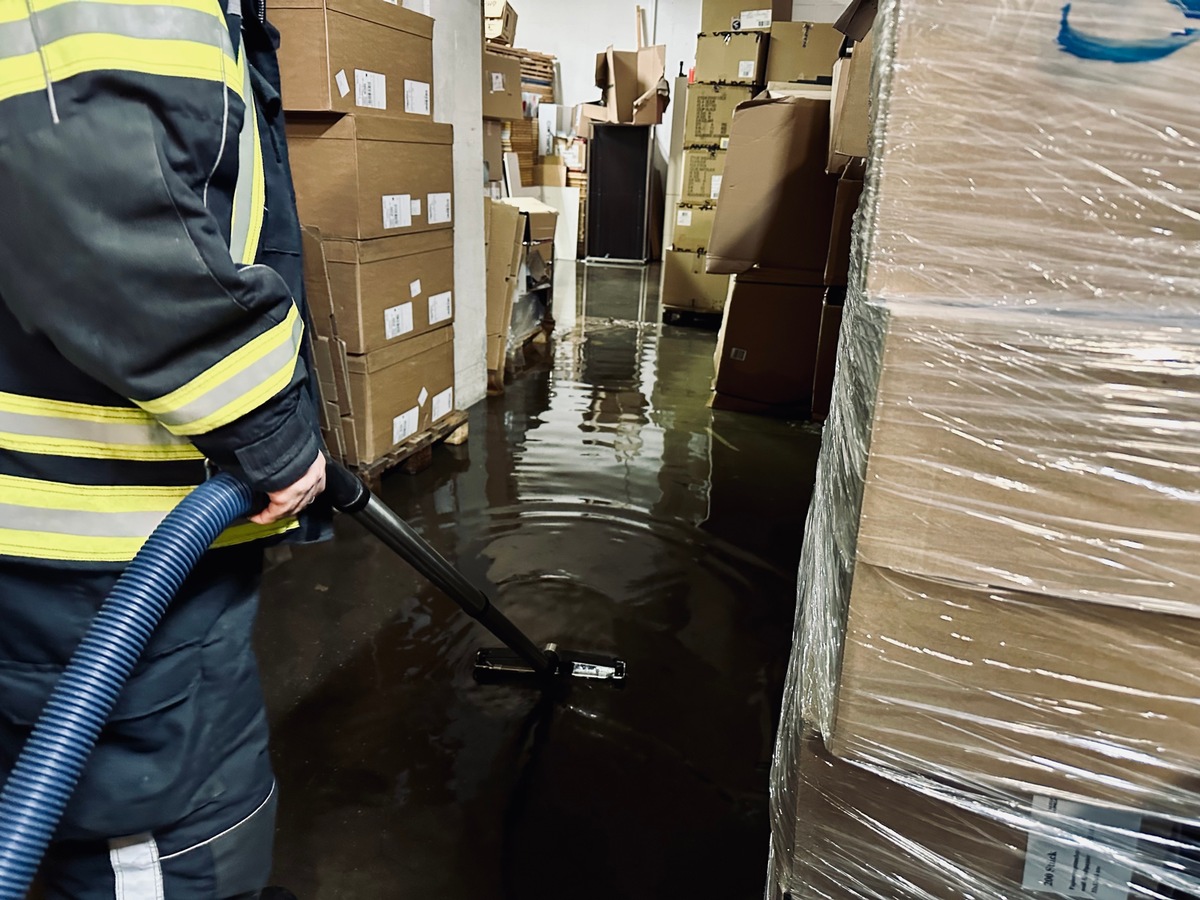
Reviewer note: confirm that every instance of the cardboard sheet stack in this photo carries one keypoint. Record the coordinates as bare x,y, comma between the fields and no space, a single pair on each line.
993,691
374,179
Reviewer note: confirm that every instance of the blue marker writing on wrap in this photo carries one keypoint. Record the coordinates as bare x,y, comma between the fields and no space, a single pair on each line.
1087,46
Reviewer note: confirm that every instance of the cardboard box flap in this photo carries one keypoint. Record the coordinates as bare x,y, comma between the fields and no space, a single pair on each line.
542,218
395,16
390,356
377,249
858,19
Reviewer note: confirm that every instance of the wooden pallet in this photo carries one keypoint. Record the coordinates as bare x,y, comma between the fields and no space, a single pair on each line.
416,454
687,317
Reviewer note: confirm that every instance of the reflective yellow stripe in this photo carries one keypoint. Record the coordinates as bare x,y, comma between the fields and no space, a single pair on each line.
80,548
243,381
249,197
206,6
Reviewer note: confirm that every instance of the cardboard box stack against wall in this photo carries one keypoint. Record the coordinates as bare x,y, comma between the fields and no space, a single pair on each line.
994,688
374,186
781,223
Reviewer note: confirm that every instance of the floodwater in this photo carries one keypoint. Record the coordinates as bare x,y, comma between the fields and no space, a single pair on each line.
607,508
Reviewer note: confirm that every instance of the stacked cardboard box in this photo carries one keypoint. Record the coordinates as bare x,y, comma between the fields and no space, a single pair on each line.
374,186
499,22
1000,632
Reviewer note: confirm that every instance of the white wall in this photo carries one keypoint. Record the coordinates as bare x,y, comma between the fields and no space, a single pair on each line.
458,100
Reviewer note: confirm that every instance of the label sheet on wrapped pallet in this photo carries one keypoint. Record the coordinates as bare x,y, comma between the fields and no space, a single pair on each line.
360,177
354,56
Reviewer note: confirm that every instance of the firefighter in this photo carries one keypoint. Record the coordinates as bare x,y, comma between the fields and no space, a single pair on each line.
151,329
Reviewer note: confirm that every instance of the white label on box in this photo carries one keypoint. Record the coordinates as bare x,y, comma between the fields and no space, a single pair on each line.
394,2
755,18
440,209
684,218
422,397
746,68
370,89
443,403
497,82
715,193
441,307
343,83
1060,862
416,207
414,289
737,354
416,98
398,320
397,211
724,143
405,425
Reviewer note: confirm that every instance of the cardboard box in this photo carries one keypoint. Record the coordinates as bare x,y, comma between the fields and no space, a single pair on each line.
499,22
493,151
502,88
766,351
693,226
401,391
391,289
541,219
827,349
366,177
686,284
504,257
732,58
850,112
355,56
776,208
858,19
551,172
734,15
703,173
845,205
803,51
631,81
710,110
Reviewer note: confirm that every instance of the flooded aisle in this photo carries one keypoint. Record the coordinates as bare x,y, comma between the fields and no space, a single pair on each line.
608,509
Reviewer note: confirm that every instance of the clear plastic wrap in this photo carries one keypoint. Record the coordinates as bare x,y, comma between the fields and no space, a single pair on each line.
995,686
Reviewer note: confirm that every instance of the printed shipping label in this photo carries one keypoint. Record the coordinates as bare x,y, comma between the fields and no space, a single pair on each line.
441,307
724,143
746,68
405,425
398,320
423,396
397,211
755,18
443,404
684,218
370,89
414,289
1060,866
343,83
715,193
497,82
416,207
416,98
439,207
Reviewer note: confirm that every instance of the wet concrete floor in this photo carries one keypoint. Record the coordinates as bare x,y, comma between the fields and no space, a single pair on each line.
607,508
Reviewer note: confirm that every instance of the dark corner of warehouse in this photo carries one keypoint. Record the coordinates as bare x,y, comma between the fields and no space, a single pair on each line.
760,452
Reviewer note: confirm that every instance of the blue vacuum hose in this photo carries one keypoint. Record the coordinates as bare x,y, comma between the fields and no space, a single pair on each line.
44,777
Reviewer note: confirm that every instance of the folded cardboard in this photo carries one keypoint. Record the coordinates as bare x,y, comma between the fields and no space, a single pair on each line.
541,219
703,174
733,58
401,391
502,87
361,177
633,81
358,56
505,254
766,351
686,284
710,109
845,205
693,226
735,15
499,22
803,51
827,347
391,289
777,201
493,150
858,19
850,112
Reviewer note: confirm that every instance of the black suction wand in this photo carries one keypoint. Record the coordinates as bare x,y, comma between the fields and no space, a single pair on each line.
523,659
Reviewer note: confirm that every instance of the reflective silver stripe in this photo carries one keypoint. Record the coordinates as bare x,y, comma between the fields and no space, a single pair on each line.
243,194
145,434
16,39
136,868
238,385
163,22
83,523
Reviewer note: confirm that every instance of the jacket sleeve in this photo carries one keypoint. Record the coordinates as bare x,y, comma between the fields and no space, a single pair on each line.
108,249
